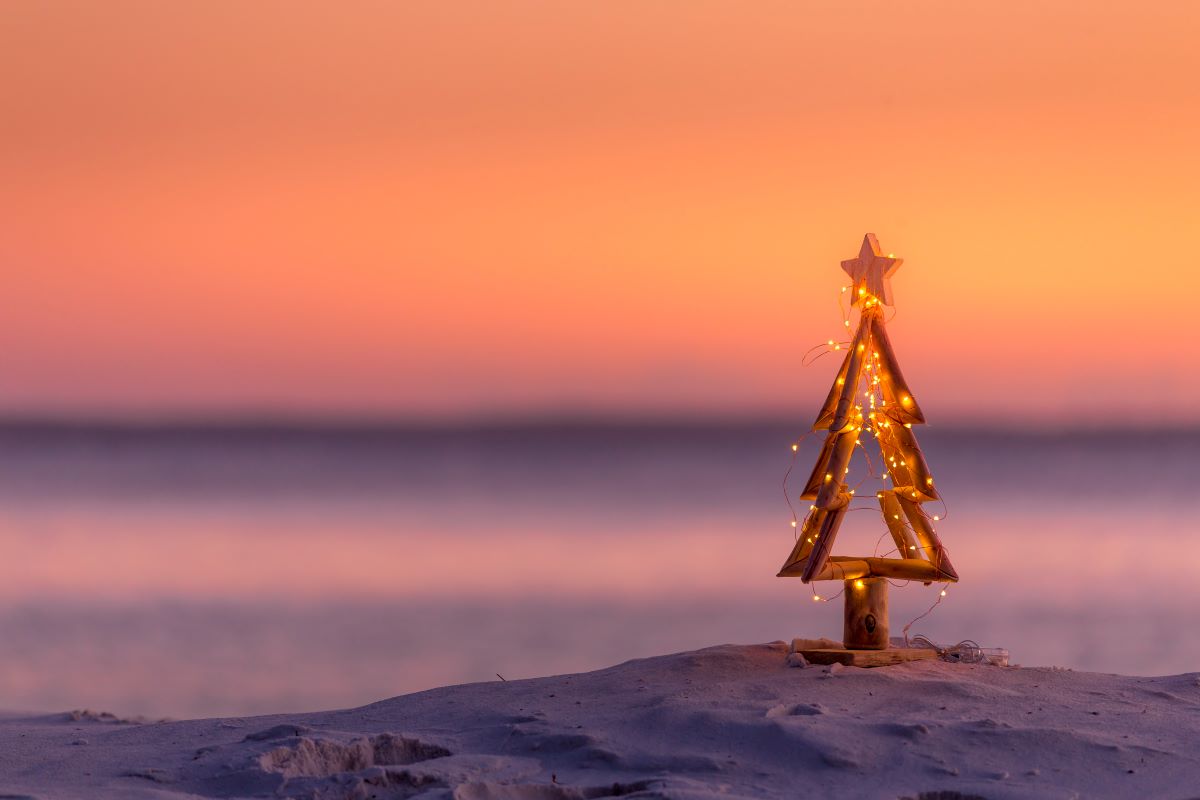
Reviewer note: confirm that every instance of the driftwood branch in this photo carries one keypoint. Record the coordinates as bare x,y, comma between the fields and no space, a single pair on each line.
900,401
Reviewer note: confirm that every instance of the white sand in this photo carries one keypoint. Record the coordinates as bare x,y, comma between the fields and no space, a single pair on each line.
730,721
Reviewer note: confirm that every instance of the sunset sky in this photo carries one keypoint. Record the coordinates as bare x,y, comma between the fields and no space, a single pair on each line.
446,209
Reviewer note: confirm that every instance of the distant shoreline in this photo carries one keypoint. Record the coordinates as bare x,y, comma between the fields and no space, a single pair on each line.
787,427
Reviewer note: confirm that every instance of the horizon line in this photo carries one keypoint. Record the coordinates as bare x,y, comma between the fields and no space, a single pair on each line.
231,421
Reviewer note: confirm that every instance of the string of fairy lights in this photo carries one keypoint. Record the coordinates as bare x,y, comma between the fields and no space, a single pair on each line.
874,419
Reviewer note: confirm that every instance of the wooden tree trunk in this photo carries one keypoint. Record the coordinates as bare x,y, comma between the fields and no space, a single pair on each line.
866,614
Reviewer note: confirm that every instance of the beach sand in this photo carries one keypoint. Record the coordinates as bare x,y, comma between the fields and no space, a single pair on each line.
728,721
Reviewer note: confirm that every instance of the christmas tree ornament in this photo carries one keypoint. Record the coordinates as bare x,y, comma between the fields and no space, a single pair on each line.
869,399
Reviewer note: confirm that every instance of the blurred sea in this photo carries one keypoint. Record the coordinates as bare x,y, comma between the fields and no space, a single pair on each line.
221,570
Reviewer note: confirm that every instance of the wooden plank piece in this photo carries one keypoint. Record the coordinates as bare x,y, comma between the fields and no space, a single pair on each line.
903,569
899,443
902,535
825,416
794,565
844,380
824,538
900,401
834,480
854,368
868,658
928,538
821,469
842,569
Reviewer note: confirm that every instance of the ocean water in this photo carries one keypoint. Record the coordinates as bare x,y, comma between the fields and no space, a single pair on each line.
250,569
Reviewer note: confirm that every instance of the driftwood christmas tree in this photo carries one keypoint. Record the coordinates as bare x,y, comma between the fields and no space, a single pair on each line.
870,399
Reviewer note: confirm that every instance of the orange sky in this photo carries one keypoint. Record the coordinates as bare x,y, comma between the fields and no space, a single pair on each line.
474,208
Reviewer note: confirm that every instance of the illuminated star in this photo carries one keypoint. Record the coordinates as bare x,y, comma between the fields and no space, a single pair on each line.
871,272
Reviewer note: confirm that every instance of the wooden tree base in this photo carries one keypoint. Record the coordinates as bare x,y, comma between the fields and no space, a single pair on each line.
866,625
868,658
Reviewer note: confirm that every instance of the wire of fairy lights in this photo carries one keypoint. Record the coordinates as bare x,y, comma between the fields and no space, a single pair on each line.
872,399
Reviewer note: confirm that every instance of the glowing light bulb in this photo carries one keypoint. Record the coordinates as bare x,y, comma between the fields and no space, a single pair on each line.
936,518
793,523
861,291
858,584
943,592
795,447
816,598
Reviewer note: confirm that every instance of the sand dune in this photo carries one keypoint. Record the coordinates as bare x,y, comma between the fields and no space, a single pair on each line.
728,721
